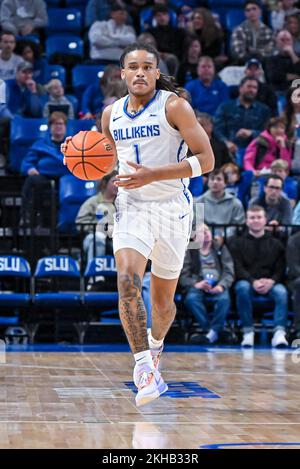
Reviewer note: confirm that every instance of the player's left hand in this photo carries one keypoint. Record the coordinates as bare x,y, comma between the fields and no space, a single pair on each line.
141,177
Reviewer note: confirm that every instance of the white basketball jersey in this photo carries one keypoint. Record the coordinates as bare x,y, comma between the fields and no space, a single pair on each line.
148,139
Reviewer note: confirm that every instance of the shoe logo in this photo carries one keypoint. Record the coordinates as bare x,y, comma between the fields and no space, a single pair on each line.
116,118
182,216
152,115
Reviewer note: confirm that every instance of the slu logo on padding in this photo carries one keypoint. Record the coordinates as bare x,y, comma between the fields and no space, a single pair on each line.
10,263
182,390
57,264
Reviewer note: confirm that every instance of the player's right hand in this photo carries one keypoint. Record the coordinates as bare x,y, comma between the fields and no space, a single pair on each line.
64,146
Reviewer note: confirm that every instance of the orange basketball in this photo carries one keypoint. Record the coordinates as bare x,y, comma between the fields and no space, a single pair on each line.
89,155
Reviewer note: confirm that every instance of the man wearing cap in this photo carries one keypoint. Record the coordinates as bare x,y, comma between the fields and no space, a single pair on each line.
251,37
265,94
109,38
239,121
21,93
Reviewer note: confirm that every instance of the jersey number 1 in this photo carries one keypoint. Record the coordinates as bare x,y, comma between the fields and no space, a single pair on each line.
137,153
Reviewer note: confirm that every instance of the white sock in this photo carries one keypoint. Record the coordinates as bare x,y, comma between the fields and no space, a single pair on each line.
153,343
212,335
144,358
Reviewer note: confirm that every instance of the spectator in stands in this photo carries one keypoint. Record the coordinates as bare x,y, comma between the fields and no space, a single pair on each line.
23,17
94,95
251,38
270,145
169,39
293,269
290,189
5,118
259,261
135,8
209,33
222,155
293,26
280,14
187,70
221,207
277,207
98,210
265,93
22,93
8,60
147,38
238,121
207,91
43,163
99,10
30,52
109,38
283,65
57,100
207,274
253,68
238,184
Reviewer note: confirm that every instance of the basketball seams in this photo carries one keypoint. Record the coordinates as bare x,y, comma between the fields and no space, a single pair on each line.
87,148
88,164
91,156
82,154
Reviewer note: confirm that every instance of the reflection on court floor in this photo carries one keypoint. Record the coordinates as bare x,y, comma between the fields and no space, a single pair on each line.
83,397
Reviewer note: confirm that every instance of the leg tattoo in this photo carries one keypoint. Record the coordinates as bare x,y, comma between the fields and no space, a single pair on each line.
132,311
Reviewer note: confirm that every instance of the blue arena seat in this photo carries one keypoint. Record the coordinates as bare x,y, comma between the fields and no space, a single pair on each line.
59,269
23,132
64,21
29,38
74,101
67,45
85,75
101,266
234,17
72,193
103,304
55,71
75,125
17,294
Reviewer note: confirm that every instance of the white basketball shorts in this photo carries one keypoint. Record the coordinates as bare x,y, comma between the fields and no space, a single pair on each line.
159,230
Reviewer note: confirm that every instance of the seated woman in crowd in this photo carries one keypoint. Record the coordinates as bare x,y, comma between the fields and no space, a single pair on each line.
209,32
269,146
57,101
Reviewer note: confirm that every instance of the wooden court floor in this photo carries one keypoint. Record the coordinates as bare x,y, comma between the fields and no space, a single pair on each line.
85,400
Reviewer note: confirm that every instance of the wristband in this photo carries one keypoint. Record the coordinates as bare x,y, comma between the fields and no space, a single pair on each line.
195,165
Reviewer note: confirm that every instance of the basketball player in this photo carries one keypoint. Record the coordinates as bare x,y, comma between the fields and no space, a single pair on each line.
151,129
